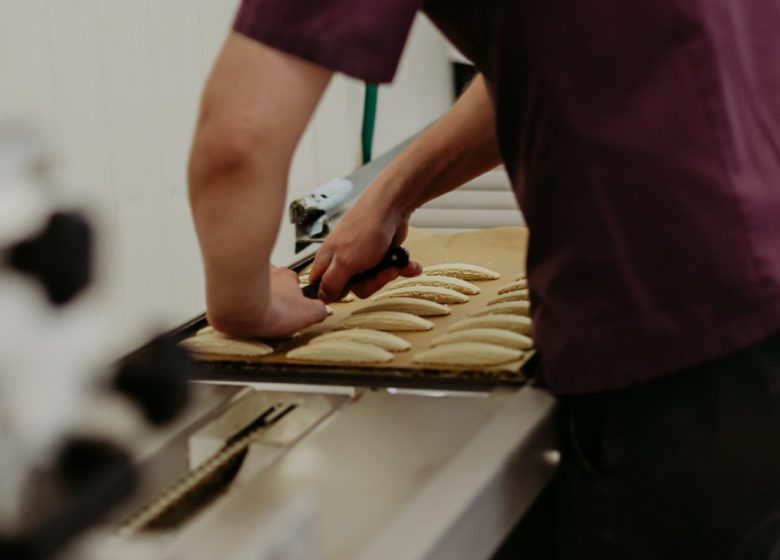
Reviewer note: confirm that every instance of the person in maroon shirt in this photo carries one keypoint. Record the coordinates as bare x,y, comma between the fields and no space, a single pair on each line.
643,143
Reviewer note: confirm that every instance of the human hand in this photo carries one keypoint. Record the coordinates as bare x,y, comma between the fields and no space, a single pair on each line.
287,310
357,243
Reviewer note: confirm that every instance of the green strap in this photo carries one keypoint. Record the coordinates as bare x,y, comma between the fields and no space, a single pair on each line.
369,120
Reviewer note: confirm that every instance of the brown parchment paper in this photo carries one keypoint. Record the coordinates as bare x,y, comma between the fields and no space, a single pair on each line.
501,249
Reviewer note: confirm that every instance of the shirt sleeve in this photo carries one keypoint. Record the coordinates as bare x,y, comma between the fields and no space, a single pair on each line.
361,38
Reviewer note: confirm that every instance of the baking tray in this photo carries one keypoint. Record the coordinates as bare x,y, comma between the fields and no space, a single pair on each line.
501,249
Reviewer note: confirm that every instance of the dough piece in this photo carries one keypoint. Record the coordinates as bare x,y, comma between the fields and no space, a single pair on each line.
381,339
419,307
329,310
462,271
430,293
387,321
515,286
518,295
303,279
512,323
223,345
505,308
450,282
467,354
520,276
208,329
340,351
347,298
499,337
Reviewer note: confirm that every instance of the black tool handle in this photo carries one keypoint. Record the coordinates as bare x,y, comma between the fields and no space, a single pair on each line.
396,257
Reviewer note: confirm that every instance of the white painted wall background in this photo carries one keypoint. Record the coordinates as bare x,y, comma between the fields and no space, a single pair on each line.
114,85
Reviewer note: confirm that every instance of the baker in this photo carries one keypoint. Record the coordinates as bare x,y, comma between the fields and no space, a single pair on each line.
643,143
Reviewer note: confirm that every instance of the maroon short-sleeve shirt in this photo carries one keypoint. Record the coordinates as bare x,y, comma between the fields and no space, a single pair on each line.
643,142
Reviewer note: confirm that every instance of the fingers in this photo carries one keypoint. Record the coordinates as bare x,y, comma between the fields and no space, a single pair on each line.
318,311
375,283
334,280
322,261
412,269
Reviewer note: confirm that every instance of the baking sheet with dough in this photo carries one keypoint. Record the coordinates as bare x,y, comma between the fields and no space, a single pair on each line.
501,249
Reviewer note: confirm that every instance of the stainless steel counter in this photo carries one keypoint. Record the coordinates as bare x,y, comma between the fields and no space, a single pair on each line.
382,474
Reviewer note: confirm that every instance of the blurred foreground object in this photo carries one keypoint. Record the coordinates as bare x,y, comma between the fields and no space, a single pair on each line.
64,414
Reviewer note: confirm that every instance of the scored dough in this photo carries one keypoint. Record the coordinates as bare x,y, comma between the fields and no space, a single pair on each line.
514,323
513,287
387,321
430,293
467,354
450,282
505,308
381,339
420,307
340,351
518,295
218,343
461,270
499,337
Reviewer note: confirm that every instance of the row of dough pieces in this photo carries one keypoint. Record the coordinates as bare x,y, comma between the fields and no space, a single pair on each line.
492,336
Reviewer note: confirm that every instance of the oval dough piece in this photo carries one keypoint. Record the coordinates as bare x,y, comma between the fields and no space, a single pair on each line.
499,337
387,321
340,351
431,293
208,329
450,282
381,339
513,287
221,344
505,308
420,307
462,271
519,295
514,323
467,354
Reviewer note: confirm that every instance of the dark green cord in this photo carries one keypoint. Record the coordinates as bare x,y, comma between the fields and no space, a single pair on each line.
369,120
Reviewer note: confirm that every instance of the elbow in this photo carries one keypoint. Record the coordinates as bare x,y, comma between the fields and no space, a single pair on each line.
223,149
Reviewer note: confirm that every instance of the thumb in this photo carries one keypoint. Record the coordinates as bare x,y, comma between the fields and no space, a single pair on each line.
321,263
334,280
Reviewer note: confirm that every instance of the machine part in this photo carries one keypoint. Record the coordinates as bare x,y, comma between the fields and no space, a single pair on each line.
201,486
306,212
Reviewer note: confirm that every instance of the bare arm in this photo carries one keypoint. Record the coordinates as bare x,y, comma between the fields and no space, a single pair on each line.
255,107
459,147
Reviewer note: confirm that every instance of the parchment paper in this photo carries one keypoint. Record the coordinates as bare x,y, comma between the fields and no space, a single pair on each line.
501,249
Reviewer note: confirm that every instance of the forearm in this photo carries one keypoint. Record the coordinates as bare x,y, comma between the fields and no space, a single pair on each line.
236,214
246,135
457,148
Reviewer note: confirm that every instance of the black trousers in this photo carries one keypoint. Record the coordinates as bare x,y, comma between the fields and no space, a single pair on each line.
687,466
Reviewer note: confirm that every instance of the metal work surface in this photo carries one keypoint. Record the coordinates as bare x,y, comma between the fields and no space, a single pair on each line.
399,476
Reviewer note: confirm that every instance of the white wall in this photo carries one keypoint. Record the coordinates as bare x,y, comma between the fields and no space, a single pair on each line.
114,85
